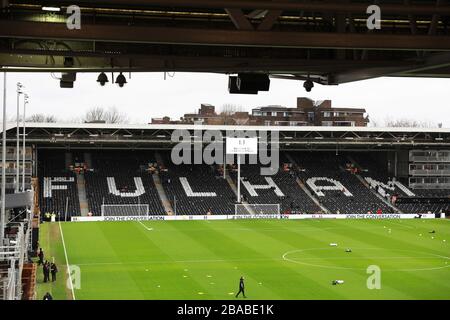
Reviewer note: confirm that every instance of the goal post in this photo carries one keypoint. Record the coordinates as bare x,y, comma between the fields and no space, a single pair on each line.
253,208
125,210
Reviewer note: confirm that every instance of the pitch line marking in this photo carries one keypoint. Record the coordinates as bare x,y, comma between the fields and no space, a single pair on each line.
148,229
347,268
67,261
230,260
177,261
402,225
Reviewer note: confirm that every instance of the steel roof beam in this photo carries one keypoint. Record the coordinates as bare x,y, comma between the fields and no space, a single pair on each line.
161,35
329,6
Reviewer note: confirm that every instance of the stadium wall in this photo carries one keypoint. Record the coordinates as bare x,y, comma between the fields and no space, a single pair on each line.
257,216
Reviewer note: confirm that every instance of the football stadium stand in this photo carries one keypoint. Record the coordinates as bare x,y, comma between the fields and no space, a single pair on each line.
196,189
375,172
59,194
345,183
281,188
82,179
122,178
338,189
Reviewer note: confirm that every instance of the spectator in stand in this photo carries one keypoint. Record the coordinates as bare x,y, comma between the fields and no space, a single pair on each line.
393,199
379,211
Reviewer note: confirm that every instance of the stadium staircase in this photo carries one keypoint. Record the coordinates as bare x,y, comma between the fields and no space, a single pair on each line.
231,183
159,159
88,159
159,187
418,201
325,169
364,182
303,187
81,185
314,199
162,194
234,188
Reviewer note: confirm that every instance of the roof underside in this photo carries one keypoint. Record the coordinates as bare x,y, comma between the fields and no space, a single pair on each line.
98,136
326,40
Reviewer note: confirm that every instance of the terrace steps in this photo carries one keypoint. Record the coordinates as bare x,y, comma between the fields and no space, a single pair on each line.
81,186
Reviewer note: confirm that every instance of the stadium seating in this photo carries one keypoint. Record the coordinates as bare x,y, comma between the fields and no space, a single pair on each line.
196,189
57,185
124,177
420,201
118,177
280,188
337,189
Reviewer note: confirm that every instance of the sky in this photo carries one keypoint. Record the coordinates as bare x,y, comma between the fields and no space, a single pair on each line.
148,95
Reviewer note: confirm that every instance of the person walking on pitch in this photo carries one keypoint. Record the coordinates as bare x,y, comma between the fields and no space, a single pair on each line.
241,287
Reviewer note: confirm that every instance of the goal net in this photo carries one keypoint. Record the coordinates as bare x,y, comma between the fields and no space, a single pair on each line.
247,208
123,210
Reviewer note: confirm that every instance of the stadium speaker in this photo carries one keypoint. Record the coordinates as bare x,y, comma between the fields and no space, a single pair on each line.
67,79
237,86
233,88
253,82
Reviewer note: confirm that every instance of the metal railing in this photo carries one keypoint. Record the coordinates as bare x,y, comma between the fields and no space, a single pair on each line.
13,253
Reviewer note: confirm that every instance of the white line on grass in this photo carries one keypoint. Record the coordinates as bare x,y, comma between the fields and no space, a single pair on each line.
402,225
248,260
148,229
178,261
67,261
285,257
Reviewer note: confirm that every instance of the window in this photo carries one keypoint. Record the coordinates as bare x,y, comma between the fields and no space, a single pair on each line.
327,114
327,123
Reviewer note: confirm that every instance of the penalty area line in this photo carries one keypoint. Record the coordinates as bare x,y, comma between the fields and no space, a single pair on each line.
148,229
67,261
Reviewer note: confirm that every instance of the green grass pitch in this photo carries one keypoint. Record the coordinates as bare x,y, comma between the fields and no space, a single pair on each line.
279,259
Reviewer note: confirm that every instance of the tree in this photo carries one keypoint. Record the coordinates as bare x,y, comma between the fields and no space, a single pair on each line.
410,123
99,114
112,115
227,112
94,115
40,118
230,109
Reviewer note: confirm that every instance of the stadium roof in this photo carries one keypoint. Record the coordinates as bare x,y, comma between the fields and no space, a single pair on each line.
115,126
154,136
327,40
